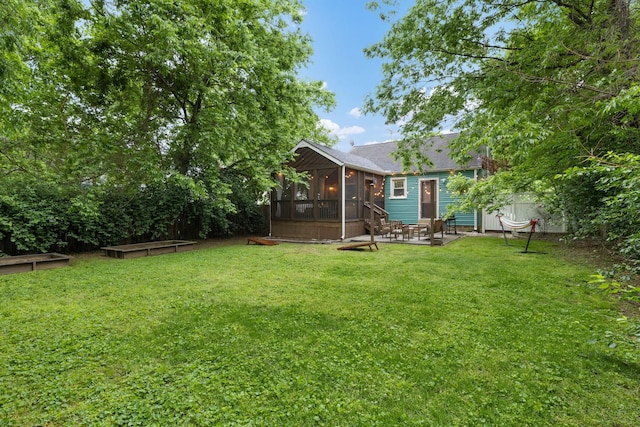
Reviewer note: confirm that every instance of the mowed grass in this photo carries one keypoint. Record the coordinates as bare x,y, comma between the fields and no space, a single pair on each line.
472,333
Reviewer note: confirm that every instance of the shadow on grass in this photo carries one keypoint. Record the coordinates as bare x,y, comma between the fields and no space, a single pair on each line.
631,369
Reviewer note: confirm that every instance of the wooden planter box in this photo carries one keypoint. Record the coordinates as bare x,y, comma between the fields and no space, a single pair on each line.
23,263
138,250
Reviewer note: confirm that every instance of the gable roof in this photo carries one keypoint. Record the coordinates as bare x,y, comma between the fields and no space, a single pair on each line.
437,149
341,158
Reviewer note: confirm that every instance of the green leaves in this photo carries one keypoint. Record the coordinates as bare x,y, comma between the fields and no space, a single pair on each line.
543,85
607,192
125,94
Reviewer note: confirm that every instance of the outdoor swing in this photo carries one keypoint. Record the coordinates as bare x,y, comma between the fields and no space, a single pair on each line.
516,225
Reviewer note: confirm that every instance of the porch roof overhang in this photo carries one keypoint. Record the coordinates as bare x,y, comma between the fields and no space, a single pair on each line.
340,158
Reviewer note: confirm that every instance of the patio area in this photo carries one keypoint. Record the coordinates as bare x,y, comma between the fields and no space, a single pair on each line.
416,239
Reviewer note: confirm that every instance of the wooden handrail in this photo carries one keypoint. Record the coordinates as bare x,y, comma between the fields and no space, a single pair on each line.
377,209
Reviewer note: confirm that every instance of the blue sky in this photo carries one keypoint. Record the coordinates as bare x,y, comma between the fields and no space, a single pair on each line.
340,30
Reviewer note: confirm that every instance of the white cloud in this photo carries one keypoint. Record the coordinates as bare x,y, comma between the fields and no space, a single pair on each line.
355,112
329,125
340,132
351,130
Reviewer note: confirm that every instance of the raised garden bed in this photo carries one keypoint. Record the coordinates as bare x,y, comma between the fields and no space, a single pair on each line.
24,263
137,250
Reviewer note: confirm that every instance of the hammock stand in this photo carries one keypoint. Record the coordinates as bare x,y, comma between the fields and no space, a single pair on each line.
515,225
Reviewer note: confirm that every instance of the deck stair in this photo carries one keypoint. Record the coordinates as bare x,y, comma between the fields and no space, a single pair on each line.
379,213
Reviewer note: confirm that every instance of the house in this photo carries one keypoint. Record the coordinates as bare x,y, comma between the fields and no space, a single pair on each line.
333,202
408,194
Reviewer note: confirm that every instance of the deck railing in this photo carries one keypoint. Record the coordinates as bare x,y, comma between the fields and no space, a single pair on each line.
281,209
328,210
304,210
352,209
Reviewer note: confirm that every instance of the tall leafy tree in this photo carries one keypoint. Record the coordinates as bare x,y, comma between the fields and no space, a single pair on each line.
543,84
128,95
207,84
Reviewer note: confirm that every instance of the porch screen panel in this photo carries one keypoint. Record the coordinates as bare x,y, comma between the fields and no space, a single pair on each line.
281,207
303,200
328,194
352,198
378,190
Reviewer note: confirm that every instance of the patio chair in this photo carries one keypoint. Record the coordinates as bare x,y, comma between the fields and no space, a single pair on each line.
395,229
383,228
437,228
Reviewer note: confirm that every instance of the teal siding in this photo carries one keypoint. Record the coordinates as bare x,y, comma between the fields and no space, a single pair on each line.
405,210
408,210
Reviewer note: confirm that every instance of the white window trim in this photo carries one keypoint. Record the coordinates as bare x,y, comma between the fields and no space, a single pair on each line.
392,188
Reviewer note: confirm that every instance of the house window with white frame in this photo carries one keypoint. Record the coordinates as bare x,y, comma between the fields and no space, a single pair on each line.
398,188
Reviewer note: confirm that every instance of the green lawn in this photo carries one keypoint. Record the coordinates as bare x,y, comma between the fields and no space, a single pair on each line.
472,333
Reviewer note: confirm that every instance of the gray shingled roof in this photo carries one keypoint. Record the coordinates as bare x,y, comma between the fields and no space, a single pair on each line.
438,152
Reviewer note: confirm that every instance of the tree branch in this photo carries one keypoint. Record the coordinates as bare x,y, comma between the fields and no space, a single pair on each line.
537,79
579,17
471,56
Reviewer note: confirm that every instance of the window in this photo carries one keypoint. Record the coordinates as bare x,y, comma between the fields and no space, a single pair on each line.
398,188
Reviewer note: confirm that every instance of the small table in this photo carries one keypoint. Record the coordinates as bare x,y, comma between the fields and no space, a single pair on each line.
448,223
408,230
416,228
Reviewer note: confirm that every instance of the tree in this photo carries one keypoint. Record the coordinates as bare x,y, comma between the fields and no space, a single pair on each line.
124,95
211,84
544,85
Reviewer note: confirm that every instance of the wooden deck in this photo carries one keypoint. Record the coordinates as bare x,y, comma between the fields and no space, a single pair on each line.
423,241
